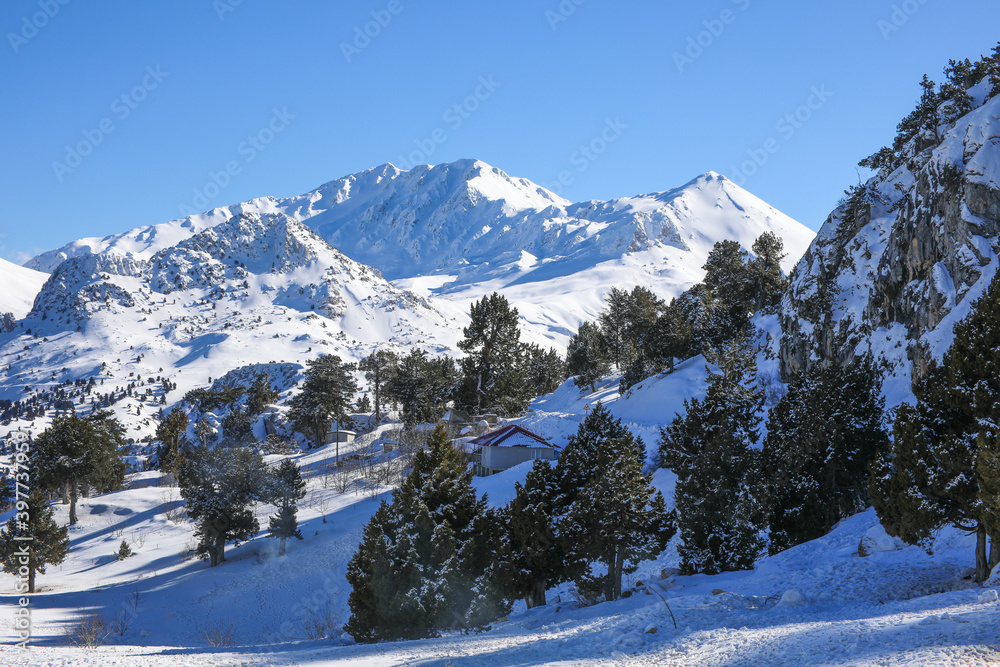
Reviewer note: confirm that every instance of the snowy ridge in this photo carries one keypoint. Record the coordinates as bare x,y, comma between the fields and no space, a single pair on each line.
19,287
897,277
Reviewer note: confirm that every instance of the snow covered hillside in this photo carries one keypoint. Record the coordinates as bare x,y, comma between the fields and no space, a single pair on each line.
255,289
18,287
905,257
463,229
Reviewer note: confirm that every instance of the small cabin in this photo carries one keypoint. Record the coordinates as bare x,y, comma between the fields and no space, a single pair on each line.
342,436
507,447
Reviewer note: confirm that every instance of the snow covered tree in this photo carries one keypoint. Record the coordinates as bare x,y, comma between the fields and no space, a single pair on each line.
613,321
287,488
545,370
325,397
494,366
76,451
221,486
710,449
48,543
612,513
237,428
170,432
380,368
261,395
364,404
767,283
537,561
422,385
429,561
729,281
822,437
934,473
585,357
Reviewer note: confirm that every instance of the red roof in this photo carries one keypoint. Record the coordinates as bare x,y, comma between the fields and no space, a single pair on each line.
511,436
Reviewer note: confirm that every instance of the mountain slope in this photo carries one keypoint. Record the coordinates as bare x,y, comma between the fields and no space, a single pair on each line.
898,264
461,230
18,287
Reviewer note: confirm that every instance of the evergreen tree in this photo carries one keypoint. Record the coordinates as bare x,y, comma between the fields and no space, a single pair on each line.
822,437
221,486
287,489
671,338
710,449
933,474
325,397
767,282
364,404
205,432
261,395
47,543
428,562
380,368
613,515
422,385
643,309
585,357
170,432
545,370
493,369
729,281
613,321
237,428
74,451
537,561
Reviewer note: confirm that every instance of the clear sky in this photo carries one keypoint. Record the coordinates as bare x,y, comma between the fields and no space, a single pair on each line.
123,113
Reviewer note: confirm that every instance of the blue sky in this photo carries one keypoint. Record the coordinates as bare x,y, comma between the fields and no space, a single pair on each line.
125,113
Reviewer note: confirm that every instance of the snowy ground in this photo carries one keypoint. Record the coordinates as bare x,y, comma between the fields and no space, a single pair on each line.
819,603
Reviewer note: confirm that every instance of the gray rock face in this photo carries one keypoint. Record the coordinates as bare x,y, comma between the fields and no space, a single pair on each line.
900,257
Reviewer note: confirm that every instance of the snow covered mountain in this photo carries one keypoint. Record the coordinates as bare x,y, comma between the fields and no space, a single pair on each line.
463,229
254,289
18,287
899,263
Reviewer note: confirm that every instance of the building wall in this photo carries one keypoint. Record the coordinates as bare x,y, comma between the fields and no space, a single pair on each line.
495,459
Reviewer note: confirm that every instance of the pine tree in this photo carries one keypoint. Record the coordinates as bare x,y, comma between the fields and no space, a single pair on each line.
613,321
710,449
932,476
493,368
74,451
221,486
767,282
325,397
728,279
124,551
585,357
261,395
237,428
32,530
822,437
537,561
545,370
380,367
170,432
671,338
364,404
612,514
422,385
428,562
287,489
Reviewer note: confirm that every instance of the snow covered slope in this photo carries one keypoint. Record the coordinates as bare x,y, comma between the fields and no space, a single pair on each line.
254,289
907,261
463,229
18,287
